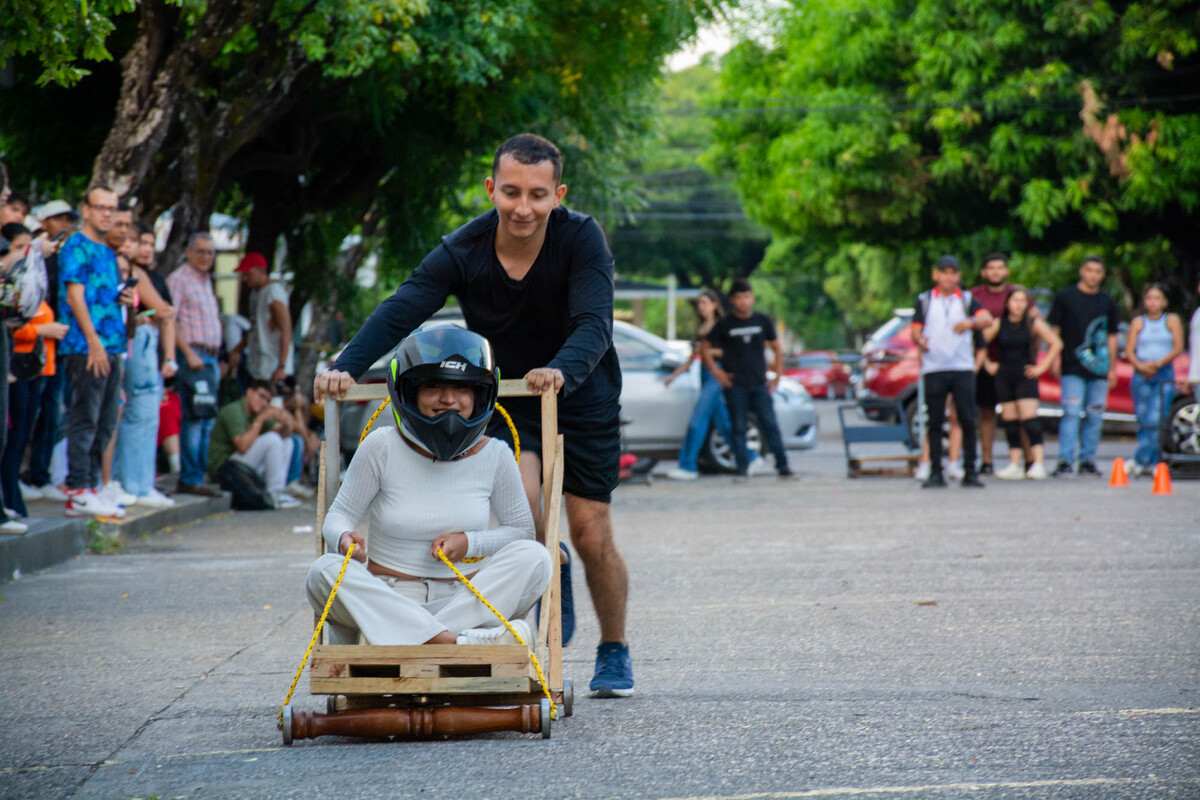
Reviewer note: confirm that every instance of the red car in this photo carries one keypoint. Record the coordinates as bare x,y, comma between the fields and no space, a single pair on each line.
891,369
821,372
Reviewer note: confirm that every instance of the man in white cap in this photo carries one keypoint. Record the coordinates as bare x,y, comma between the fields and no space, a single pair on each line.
58,220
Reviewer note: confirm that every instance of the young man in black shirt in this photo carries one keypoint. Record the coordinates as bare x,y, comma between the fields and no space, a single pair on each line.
742,337
537,280
1086,319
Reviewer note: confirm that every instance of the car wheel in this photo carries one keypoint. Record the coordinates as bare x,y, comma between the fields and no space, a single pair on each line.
717,453
1180,432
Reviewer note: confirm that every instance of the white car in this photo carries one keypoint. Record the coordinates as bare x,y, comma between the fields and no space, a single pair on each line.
657,415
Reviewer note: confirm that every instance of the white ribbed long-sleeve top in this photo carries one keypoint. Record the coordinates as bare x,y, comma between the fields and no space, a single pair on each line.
412,499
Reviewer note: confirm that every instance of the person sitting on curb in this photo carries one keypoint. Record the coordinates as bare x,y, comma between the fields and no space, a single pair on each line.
433,482
256,433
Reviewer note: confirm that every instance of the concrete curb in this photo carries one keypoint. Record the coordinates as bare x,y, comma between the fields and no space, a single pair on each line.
53,540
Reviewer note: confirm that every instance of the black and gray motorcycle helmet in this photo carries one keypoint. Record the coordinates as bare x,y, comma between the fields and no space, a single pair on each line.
443,354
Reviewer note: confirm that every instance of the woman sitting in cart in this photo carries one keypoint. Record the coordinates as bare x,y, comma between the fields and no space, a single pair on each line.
433,481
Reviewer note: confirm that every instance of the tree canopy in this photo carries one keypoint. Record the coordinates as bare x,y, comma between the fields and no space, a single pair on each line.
318,119
870,136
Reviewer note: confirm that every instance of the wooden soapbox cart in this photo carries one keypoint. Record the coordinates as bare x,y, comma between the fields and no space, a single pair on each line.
436,690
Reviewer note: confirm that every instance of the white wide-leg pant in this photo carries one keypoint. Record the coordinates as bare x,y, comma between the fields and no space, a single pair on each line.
394,611
270,455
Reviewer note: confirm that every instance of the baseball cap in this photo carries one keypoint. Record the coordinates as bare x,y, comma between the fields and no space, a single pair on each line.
53,209
947,262
252,260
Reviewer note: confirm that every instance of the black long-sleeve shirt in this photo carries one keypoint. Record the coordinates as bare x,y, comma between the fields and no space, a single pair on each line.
559,315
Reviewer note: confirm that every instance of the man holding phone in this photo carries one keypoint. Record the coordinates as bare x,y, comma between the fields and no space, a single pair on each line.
90,297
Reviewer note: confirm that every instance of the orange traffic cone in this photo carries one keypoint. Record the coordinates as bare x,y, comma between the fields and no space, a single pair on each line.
1162,479
1118,477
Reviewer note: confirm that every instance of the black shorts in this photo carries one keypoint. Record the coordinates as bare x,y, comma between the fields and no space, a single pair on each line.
591,452
985,390
1012,385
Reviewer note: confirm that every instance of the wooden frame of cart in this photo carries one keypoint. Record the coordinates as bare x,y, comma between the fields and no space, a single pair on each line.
423,691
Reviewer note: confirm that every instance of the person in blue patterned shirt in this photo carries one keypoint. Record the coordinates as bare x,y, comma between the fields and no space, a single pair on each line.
90,297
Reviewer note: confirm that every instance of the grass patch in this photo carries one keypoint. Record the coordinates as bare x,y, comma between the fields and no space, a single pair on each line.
101,543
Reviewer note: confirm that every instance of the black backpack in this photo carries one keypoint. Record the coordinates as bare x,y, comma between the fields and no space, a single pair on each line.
248,489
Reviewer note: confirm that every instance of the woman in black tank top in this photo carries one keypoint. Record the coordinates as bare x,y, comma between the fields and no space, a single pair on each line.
1017,334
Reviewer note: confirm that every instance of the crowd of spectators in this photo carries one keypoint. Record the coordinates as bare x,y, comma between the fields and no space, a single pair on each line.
122,372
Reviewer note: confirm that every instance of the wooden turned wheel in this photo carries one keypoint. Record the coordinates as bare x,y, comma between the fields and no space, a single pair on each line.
287,725
568,698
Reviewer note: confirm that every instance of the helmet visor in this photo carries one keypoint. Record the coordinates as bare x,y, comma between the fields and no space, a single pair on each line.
436,344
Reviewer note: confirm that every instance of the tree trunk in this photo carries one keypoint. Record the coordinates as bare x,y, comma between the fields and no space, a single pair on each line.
146,104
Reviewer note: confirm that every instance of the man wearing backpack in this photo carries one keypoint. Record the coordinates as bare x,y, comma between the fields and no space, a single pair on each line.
258,434
944,323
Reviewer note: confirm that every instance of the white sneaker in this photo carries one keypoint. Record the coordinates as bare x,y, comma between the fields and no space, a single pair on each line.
13,526
1013,472
52,492
155,499
29,492
954,471
116,495
298,489
285,500
86,502
1037,472
497,635
759,466
923,470
681,474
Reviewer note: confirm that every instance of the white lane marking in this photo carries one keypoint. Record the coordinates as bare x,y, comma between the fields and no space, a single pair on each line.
1132,713
859,791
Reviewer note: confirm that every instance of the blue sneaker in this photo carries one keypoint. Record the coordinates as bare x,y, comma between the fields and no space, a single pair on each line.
566,599
614,671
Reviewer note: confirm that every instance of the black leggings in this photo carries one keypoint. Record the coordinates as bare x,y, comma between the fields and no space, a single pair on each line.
938,385
1013,428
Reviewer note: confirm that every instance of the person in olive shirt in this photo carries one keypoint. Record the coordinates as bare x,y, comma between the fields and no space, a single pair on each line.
258,434
742,337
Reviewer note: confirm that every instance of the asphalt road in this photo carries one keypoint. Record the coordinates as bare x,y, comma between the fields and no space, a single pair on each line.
819,638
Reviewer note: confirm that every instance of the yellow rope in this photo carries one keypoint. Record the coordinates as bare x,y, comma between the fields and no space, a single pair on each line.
316,633
367,428
537,665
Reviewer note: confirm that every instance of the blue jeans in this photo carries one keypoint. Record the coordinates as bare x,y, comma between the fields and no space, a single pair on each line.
1151,399
24,400
194,433
296,468
133,463
710,411
742,400
46,430
1082,399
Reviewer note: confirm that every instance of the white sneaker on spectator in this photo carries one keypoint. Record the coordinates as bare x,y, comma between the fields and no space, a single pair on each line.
86,502
759,467
298,489
954,471
1037,472
115,494
29,492
923,470
681,474
1013,472
285,500
155,499
52,492
497,635
13,526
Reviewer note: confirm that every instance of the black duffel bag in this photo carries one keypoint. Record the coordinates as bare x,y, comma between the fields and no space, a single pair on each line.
248,488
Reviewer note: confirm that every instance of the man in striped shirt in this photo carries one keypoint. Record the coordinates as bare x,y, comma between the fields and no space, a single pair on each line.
198,336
